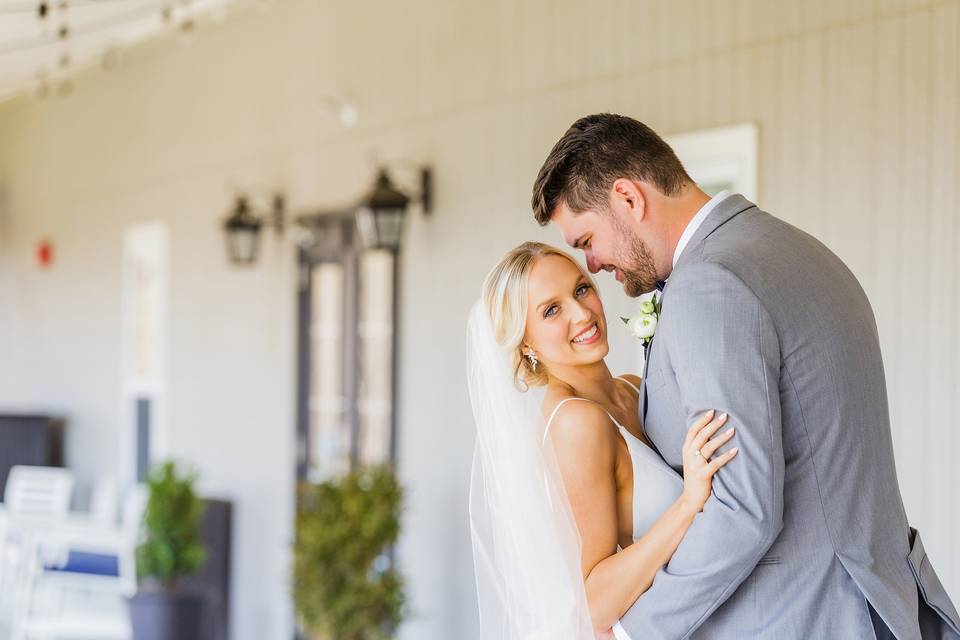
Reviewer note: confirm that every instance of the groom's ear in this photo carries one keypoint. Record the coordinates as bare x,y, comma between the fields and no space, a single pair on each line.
627,197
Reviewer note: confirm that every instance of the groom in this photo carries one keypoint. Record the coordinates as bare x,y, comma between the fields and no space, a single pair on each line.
805,535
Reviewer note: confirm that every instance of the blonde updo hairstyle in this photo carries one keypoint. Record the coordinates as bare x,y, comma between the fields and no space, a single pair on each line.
505,293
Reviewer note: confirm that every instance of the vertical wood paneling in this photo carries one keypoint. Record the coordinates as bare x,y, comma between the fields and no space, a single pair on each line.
788,162
847,145
911,253
940,321
766,83
724,22
953,440
810,80
886,116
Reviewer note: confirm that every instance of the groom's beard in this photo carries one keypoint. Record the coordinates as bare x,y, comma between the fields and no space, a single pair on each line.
636,264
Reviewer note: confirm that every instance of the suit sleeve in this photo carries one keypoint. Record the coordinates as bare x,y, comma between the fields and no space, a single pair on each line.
723,349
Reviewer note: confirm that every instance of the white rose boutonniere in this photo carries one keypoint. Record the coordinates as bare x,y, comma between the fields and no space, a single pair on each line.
644,324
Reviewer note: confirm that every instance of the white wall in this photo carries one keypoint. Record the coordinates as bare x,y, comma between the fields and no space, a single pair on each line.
856,104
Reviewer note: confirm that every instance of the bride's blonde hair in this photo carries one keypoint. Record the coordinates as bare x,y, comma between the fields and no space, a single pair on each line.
505,297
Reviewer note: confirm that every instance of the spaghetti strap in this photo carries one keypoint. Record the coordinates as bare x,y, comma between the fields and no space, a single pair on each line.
633,386
554,412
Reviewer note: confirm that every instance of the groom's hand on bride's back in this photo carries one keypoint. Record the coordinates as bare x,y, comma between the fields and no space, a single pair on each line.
699,462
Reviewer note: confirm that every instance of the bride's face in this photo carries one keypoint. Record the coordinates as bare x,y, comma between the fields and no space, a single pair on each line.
565,321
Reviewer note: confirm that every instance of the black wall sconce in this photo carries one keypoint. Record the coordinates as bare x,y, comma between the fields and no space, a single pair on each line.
243,229
381,214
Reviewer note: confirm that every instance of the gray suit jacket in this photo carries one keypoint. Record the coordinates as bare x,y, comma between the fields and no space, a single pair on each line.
806,526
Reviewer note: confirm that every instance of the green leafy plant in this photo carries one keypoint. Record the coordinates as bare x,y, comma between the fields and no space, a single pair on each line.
345,587
172,548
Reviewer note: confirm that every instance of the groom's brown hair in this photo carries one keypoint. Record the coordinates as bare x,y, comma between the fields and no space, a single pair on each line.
594,152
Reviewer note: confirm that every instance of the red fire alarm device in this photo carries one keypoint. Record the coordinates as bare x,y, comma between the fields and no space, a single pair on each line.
44,254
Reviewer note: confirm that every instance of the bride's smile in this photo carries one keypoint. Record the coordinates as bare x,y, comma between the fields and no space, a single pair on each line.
588,336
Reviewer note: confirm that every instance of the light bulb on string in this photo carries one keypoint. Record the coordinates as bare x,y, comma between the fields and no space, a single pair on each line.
43,18
65,86
343,110
63,19
186,30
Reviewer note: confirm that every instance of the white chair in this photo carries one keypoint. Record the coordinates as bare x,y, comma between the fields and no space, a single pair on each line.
68,602
38,492
40,495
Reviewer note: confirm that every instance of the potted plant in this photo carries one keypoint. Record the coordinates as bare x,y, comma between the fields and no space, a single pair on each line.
345,586
162,609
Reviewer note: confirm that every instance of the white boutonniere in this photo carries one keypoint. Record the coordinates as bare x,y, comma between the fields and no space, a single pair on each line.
644,324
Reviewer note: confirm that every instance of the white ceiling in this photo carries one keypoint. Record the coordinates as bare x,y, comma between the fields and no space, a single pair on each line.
35,58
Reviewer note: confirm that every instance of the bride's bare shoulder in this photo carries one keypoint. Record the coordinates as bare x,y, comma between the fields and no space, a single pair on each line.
580,421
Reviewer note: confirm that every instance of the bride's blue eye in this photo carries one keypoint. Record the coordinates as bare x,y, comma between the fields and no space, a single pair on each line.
550,312
584,288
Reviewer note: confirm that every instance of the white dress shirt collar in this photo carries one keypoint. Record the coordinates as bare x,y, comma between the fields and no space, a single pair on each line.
695,223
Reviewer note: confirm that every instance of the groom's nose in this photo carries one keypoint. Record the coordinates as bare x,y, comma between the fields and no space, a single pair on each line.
592,263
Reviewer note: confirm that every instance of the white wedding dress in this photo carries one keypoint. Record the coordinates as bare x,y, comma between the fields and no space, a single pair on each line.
655,484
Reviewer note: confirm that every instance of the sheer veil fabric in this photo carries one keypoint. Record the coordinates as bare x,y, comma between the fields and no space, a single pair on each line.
526,547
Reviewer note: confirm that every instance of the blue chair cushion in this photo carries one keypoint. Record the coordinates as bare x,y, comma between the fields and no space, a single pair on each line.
97,564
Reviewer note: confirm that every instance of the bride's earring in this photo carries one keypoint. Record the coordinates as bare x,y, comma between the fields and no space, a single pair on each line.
532,357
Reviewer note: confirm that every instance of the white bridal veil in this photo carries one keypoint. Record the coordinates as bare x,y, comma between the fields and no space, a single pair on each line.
526,548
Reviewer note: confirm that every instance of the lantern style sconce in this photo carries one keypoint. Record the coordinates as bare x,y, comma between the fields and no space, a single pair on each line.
382,212
243,229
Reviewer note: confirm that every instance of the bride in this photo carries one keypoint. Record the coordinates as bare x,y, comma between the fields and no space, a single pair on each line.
572,511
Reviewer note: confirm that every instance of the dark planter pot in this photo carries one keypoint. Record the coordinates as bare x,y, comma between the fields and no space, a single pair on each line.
167,614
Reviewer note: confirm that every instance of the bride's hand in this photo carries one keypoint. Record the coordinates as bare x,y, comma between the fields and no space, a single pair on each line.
698,448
